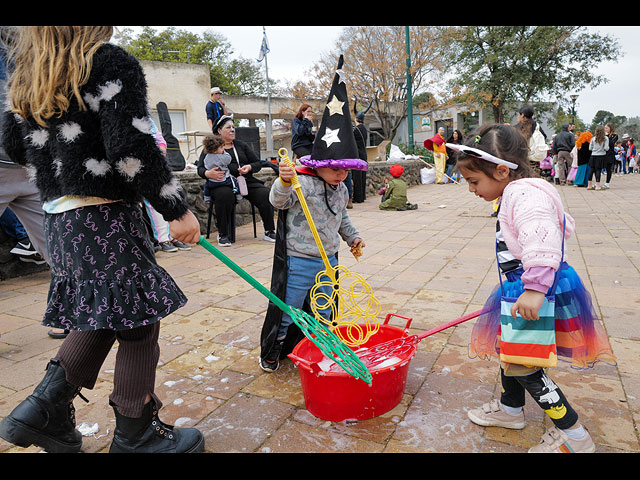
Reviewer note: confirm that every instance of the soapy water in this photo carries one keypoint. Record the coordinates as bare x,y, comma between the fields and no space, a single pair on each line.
327,364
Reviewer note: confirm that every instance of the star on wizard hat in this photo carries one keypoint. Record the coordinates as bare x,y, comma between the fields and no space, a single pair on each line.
335,146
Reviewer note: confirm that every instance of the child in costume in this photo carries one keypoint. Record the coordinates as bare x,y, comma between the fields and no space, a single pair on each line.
297,259
531,229
394,196
86,133
546,166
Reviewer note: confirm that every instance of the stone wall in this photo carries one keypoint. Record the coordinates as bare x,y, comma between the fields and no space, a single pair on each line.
193,185
11,267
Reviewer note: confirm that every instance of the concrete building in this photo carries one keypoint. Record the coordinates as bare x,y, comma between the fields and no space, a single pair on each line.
185,88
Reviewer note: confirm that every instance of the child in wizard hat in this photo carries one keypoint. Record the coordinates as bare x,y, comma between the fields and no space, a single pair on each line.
297,259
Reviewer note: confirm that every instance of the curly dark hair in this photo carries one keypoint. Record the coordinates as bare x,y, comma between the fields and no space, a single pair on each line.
211,143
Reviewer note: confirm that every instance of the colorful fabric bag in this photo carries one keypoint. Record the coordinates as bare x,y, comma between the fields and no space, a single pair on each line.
530,342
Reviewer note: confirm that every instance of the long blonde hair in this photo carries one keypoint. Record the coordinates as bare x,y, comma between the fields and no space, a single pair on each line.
51,64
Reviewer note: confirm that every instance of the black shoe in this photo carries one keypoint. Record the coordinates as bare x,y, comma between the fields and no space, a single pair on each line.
24,248
37,259
25,252
271,361
267,366
148,434
223,241
58,335
181,245
46,418
168,247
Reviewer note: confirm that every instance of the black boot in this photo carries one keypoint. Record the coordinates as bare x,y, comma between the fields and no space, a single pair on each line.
148,434
46,418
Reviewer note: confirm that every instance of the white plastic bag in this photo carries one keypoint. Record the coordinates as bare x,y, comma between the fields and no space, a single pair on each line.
428,175
395,154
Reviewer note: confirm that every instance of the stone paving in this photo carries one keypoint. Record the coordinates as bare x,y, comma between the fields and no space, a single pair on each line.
433,265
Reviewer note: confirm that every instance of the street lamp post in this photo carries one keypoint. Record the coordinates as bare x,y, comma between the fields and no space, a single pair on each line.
409,94
573,97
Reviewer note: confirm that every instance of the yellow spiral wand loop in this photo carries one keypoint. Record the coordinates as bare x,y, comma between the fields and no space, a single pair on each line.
348,306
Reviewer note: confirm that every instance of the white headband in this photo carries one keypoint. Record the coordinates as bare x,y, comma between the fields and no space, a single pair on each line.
476,152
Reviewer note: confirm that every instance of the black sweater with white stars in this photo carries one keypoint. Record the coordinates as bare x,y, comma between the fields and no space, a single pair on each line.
107,150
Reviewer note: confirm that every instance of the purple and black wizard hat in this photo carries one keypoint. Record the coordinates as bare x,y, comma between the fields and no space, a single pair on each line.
335,146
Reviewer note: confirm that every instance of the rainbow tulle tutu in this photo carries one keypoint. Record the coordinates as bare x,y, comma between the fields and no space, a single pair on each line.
580,338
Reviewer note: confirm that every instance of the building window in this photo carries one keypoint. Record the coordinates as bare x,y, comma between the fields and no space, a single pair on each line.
178,122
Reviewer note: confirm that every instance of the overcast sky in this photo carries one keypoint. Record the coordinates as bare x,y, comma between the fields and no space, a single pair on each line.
294,50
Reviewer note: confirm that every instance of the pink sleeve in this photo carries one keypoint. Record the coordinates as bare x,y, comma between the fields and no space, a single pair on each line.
539,279
160,141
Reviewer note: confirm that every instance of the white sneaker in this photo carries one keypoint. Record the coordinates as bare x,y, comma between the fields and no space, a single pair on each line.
493,415
556,441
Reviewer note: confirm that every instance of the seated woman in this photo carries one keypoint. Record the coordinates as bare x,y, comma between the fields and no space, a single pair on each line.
245,162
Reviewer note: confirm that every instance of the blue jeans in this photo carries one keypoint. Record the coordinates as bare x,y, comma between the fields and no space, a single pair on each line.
12,226
301,277
348,182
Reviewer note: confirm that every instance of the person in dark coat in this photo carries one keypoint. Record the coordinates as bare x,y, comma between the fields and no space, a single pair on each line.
244,162
303,133
359,177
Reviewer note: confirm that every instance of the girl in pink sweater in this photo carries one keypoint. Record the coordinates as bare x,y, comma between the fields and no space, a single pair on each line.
532,227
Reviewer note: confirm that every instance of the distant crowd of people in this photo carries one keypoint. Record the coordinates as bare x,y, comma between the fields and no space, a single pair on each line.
585,159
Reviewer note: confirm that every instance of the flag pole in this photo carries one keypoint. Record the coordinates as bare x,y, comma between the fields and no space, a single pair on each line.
268,130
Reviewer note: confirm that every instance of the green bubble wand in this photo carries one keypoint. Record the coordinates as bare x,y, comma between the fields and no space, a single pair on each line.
317,332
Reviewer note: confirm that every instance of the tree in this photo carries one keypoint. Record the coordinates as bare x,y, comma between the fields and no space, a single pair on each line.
501,67
375,68
233,76
602,117
631,127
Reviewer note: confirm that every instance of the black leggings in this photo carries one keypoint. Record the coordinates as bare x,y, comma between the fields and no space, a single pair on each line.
596,164
544,391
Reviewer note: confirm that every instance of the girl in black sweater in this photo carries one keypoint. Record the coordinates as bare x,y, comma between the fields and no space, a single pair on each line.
79,120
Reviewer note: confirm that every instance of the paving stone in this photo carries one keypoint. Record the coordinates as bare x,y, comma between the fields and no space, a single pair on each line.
431,265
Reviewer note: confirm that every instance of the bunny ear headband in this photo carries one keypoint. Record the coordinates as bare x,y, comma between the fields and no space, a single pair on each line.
477,153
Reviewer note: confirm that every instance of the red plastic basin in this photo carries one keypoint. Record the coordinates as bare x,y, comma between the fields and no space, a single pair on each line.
332,394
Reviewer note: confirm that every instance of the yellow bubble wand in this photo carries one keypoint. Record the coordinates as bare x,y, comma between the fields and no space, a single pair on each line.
351,301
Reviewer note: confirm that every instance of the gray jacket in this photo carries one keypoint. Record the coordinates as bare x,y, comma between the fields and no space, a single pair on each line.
598,149
220,160
319,198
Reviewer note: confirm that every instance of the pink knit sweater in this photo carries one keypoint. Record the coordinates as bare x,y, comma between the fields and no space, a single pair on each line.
531,218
